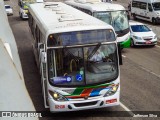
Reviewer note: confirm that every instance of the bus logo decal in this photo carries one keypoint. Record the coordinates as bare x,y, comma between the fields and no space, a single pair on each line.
79,77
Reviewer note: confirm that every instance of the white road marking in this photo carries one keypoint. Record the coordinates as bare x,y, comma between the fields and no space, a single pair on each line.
150,71
126,109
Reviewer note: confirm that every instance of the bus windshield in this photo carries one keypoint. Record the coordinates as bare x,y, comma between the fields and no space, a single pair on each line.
118,19
156,6
85,65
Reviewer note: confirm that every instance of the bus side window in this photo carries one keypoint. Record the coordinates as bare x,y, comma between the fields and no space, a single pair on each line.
33,28
37,35
87,11
31,23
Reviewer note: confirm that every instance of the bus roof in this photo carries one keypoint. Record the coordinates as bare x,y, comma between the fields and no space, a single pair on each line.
96,6
57,17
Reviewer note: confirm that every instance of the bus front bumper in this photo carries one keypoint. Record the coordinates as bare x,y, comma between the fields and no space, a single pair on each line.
56,106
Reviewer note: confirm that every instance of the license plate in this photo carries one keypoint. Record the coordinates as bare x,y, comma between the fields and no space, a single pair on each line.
148,42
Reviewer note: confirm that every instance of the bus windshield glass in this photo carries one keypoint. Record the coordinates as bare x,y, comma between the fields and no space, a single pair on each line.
156,6
118,19
81,37
85,65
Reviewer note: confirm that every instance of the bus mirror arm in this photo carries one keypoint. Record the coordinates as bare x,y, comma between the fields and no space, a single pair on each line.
43,57
116,35
120,54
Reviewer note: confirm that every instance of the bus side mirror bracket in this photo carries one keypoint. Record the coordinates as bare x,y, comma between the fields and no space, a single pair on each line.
120,54
43,57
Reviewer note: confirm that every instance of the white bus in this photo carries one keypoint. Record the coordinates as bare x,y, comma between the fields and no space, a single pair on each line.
65,40
148,10
113,14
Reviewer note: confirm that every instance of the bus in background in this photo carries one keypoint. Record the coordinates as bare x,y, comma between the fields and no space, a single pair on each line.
66,43
113,14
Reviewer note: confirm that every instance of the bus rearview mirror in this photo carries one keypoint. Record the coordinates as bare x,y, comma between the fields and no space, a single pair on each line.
43,57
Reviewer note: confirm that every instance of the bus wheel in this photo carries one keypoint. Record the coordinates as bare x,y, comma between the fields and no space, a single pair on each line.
132,43
154,21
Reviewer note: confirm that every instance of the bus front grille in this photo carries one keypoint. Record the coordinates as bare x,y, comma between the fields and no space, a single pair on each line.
85,104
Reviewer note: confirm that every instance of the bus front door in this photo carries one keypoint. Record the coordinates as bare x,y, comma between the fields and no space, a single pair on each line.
42,61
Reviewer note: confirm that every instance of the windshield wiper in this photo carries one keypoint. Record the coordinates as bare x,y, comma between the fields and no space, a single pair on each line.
94,51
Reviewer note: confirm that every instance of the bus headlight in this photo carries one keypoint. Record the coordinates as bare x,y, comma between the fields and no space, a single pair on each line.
57,97
112,90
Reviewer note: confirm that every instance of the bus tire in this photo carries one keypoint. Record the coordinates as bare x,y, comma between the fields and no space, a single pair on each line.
154,21
132,43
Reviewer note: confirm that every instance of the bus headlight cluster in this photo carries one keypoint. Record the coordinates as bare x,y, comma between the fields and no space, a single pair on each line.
57,97
112,90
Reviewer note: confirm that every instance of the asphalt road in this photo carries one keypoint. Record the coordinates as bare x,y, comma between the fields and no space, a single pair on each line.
140,76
